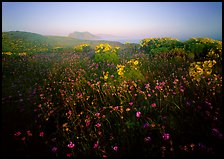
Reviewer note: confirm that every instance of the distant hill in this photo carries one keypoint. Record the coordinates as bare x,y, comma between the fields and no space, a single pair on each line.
83,36
18,41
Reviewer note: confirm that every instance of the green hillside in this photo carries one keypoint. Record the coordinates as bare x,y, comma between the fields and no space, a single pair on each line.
61,41
17,42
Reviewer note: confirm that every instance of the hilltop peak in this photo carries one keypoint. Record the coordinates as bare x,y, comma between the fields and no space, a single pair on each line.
83,35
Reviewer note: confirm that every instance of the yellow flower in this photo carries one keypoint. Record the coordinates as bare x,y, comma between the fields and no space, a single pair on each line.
7,53
208,72
136,62
120,73
117,48
106,75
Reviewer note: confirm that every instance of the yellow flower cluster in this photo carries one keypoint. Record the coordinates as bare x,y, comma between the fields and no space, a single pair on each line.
23,54
120,70
105,75
215,52
145,42
199,69
155,41
81,47
133,63
7,53
102,48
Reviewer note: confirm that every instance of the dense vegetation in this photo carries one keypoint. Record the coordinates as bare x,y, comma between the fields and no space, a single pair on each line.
161,98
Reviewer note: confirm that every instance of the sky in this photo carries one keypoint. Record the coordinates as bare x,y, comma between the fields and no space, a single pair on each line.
130,20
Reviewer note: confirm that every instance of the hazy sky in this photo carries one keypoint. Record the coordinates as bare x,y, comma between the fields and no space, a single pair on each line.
180,20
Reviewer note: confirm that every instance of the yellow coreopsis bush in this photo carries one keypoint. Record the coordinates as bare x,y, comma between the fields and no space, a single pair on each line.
82,48
199,69
105,53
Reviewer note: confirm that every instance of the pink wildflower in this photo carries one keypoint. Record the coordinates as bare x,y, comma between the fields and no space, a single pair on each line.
98,125
29,133
131,103
87,123
97,115
41,134
18,133
153,105
69,154
158,87
115,148
96,145
54,149
138,114
166,136
116,108
175,81
147,139
71,145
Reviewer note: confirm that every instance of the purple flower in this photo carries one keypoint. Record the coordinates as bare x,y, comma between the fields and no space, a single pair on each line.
54,149
166,136
201,146
146,125
217,133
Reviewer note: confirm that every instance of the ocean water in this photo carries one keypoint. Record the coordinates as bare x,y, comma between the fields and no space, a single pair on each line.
137,41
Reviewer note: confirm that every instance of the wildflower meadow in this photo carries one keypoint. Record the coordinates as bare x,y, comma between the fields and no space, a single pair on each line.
159,98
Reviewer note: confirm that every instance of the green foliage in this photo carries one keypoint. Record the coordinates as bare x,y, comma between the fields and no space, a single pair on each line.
132,71
201,47
150,45
177,52
159,50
